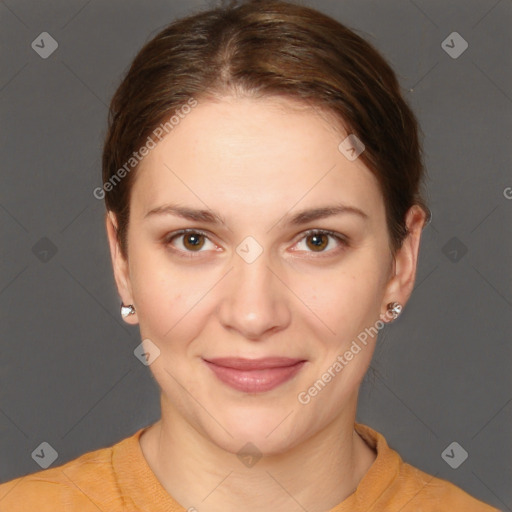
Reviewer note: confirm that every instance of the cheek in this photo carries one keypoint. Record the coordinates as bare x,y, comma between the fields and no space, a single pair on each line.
172,304
159,294
341,302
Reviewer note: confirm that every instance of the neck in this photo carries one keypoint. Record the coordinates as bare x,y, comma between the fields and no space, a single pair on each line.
315,475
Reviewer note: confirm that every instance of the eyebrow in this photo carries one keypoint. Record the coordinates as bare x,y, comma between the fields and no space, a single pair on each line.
211,217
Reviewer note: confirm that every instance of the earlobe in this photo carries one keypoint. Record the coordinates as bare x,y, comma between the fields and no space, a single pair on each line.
401,284
392,312
127,310
120,266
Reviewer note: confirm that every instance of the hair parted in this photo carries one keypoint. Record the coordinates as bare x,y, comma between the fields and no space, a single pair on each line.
268,48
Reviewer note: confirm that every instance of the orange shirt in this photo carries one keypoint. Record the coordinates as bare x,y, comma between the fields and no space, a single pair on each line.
118,479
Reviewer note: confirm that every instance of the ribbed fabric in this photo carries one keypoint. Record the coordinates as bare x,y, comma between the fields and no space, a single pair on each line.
119,479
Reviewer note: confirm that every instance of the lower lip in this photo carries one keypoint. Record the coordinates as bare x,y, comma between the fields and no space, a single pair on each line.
255,381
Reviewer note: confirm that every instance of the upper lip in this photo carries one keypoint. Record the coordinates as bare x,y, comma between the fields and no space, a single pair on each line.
254,364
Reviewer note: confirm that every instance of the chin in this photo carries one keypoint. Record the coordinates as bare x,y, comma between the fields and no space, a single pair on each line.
270,430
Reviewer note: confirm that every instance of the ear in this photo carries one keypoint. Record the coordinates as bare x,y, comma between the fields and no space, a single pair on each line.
120,266
401,283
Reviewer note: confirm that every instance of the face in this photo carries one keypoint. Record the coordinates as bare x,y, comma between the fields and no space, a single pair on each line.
253,279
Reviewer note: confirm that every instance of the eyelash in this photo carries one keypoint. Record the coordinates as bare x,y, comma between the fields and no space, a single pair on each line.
191,254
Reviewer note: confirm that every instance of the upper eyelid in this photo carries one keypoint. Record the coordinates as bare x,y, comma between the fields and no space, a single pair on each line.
340,237
343,239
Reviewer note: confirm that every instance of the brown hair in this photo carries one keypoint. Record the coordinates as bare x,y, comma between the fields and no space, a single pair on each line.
267,48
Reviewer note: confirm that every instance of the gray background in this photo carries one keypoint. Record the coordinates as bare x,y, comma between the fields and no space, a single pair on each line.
68,375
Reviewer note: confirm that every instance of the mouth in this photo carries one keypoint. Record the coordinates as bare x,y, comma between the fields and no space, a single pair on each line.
254,375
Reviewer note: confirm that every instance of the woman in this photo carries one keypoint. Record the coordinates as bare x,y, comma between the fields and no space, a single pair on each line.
262,177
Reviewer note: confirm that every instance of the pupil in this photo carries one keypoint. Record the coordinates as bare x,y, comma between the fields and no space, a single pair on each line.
193,240
318,243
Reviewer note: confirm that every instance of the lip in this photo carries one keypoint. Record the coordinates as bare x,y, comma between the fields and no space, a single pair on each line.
254,375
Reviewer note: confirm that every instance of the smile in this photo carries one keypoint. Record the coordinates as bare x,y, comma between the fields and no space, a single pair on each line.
254,375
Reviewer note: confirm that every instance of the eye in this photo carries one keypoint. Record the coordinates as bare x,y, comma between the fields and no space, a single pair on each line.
320,240
192,241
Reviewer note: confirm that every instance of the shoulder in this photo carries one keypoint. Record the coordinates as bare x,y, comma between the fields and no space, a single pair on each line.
427,493
392,484
85,483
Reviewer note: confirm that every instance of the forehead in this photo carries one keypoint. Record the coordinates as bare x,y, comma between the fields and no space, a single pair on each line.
254,152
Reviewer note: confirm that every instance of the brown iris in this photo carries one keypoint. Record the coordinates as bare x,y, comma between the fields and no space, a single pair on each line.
196,241
317,244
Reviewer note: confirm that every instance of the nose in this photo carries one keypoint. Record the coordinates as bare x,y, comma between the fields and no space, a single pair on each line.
255,299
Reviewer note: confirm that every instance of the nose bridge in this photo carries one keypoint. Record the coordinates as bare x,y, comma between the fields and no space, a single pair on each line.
256,300
252,269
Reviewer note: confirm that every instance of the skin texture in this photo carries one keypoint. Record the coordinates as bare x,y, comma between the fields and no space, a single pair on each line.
254,162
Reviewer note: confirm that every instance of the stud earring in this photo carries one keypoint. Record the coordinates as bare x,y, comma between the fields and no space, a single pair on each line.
395,308
127,310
